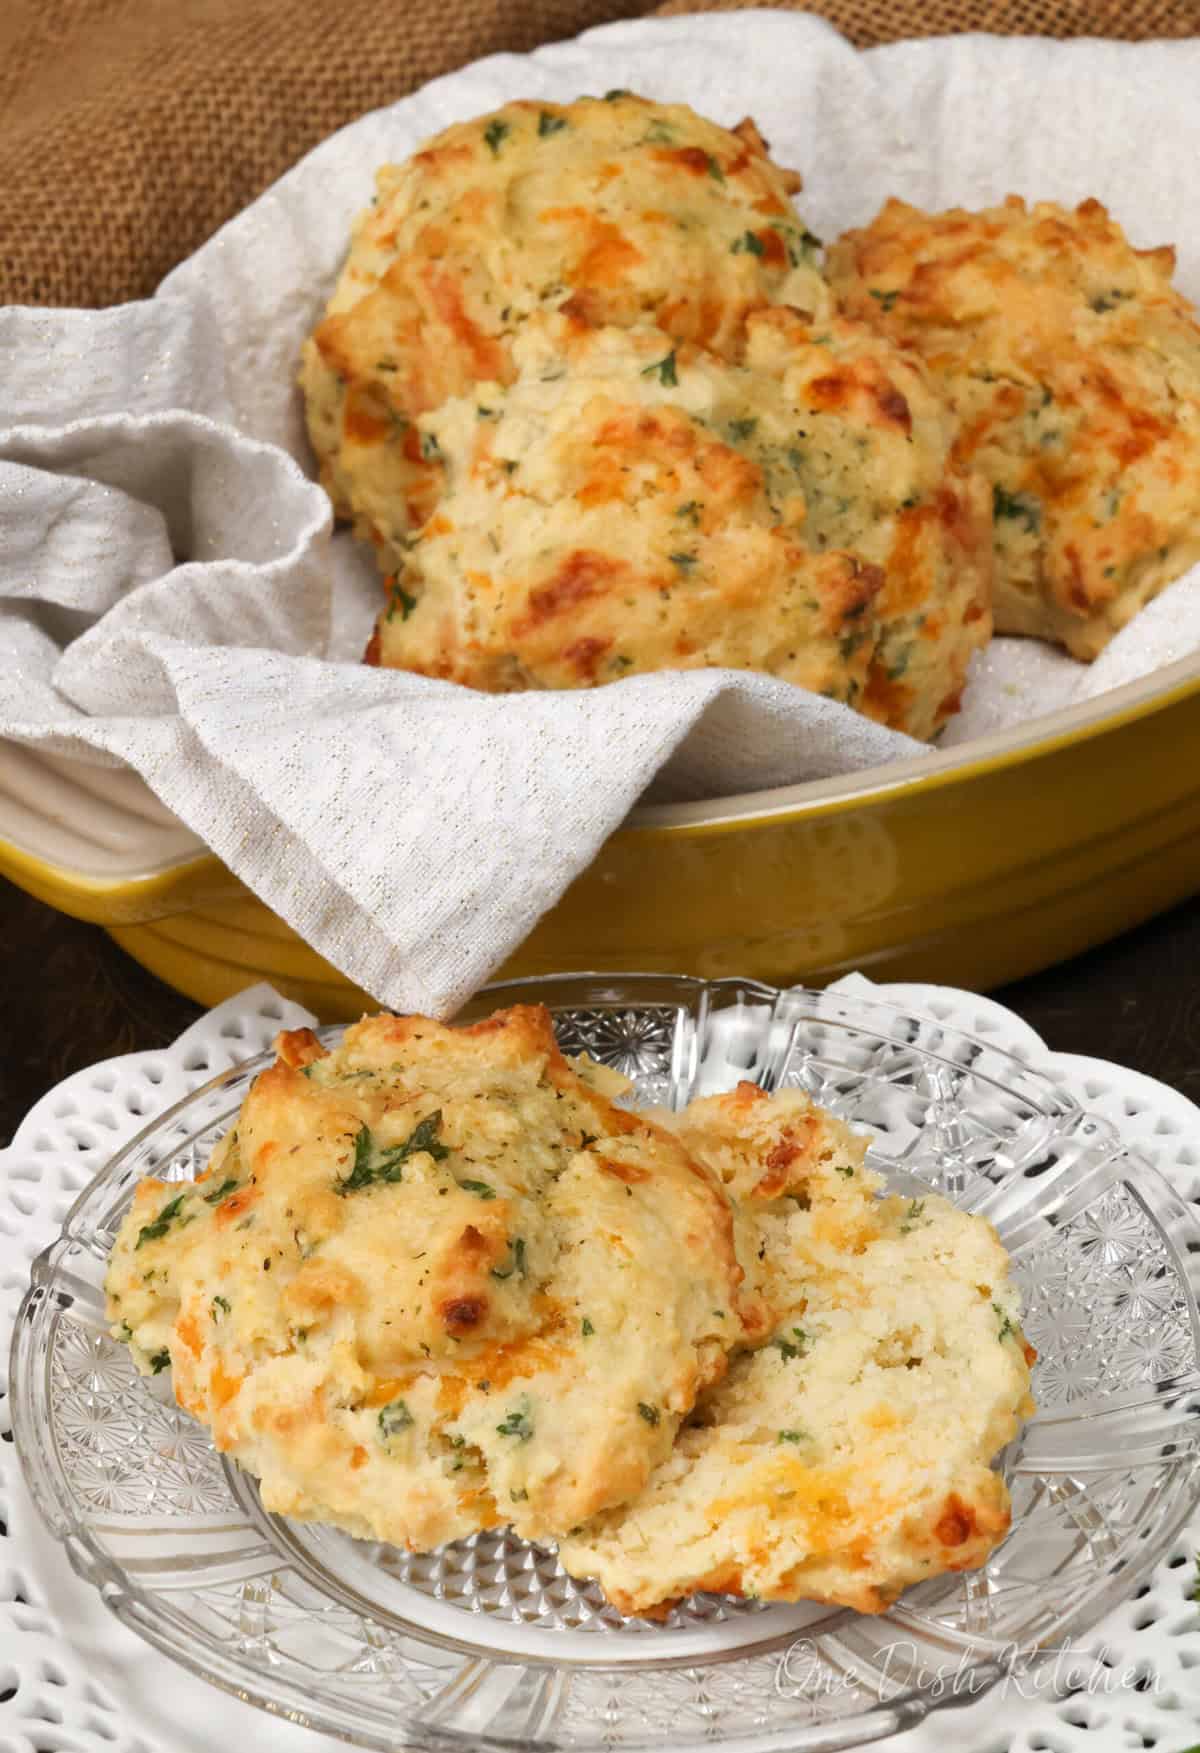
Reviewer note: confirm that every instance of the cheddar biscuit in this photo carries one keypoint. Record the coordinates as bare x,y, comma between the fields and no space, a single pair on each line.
630,503
434,1281
618,211
1073,368
850,1455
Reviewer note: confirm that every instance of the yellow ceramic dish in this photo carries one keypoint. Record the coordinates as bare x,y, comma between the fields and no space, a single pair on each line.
972,866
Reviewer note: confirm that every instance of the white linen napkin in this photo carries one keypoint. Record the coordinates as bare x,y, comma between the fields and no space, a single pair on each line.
171,594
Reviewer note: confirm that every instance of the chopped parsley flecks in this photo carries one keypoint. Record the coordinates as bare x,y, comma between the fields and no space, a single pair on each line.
401,600
160,1361
663,369
793,1436
220,1306
385,365
844,1169
548,124
510,465
744,428
480,1189
431,450
651,1414
801,245
616,94
519,1421
1022,507
714,168
1110,300
916,1209
684,562
495,134
377,1165
795,1346
393,1418
222,1192
748,244
690,510
586,1328
516,1260
170,1213
125,1332
900,663
1006,1326
884,299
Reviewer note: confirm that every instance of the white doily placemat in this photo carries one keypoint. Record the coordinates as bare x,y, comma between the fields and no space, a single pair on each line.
74,1680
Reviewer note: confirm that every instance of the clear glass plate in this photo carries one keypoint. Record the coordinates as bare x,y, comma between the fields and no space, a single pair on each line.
488,1643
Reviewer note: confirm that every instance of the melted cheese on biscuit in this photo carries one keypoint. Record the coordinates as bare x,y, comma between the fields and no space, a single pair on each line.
617,211
1073,367
627,505
849,1456
434,1281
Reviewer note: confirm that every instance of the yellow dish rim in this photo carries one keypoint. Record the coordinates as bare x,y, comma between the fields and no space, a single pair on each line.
921,773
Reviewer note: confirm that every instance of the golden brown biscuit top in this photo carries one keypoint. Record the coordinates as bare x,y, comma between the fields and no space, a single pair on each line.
850,1455
1073,366
1033,271
615,211
433,1245
629,504
620,210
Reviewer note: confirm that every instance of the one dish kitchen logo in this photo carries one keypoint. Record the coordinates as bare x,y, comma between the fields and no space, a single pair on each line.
804,1672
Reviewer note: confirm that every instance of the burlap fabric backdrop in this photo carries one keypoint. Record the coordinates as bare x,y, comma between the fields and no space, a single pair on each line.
131,129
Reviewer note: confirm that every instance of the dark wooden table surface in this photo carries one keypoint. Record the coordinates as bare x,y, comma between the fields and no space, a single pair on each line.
73,998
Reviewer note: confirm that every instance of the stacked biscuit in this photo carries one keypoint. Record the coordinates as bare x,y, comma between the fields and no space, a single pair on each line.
584,389
1072,368
588,392
436,1281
